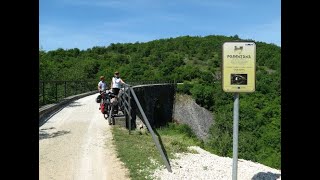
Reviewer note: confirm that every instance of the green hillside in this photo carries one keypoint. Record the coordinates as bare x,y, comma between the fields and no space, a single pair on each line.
196,61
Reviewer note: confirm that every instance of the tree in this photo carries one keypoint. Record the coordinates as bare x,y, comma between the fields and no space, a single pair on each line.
196,61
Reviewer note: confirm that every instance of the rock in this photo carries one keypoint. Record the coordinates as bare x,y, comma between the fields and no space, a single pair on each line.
187,111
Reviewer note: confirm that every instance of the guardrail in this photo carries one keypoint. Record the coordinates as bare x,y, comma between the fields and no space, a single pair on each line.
54,91
125,103
48,110
127,95
134,83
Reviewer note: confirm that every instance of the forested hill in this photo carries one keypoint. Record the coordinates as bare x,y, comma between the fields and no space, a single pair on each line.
196,61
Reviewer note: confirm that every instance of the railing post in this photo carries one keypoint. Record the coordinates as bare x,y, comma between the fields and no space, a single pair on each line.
43,101
129,108
81,84
75,88
56,91
65,89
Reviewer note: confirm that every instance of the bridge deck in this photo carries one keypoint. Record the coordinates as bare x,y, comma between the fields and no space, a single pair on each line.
76,144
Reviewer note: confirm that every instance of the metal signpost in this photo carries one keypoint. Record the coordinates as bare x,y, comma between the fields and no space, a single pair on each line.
238,75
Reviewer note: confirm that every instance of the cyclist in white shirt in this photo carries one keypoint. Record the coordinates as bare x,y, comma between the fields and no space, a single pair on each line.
102,85
116,83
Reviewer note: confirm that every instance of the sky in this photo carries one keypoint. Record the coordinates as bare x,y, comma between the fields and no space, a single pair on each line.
84,24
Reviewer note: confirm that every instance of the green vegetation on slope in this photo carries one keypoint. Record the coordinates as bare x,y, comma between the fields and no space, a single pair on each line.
196,61
139,153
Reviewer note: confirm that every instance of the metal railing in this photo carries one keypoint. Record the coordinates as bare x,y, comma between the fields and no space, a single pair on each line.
128,91
125,102
134,83
54,91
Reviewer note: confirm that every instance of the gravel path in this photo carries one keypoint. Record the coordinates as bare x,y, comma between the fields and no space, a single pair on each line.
205,165
76,144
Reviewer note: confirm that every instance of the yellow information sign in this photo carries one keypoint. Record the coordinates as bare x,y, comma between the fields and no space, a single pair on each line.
239,66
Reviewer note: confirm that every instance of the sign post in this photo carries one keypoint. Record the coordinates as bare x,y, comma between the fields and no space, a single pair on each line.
238,75
235,136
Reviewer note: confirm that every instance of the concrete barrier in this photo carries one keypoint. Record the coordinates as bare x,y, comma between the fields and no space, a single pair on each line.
156,101
47,110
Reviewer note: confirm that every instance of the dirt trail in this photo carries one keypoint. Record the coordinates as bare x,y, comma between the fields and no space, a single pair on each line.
76,144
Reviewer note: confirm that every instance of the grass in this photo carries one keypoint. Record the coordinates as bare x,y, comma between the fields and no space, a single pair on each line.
139,153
